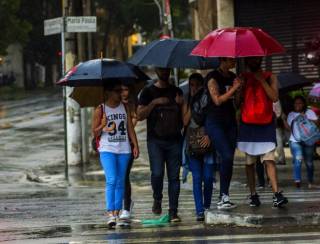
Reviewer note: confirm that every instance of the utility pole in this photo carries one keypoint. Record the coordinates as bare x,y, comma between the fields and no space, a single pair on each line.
168,30
167,27
73,127
85,52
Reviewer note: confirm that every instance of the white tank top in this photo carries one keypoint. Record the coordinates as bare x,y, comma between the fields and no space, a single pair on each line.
116,140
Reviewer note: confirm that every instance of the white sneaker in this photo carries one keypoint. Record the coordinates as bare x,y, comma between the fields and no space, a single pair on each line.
125,214
225,203
111,222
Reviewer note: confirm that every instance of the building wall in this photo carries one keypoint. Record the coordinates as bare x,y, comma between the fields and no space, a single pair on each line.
225,13
13,64
208,15
204,17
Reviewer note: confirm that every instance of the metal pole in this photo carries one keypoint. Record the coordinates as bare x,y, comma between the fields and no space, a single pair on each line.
160,11
64,99
168,29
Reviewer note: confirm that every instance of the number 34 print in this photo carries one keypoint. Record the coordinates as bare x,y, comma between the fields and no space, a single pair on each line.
112,129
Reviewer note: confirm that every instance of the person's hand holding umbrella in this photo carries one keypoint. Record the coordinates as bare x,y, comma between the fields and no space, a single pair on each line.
237,83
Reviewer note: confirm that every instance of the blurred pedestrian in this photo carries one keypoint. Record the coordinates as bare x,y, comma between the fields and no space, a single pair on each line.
113,125
280,132
299,149
199,150
127,202
257,129
221,124
161,104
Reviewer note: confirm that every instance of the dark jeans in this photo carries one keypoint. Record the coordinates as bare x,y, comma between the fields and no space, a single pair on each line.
202,172
127,190
165,153
223,134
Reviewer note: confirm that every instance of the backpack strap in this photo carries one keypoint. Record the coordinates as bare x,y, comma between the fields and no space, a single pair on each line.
102,109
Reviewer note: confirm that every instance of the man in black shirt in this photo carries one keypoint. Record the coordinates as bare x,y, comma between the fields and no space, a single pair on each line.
161,103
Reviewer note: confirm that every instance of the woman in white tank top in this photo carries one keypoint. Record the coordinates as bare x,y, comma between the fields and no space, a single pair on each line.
114,126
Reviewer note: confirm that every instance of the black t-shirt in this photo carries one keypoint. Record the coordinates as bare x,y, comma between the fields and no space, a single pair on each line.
226,111
173,121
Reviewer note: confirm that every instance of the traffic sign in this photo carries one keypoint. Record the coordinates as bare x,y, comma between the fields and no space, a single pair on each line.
53,26
81,24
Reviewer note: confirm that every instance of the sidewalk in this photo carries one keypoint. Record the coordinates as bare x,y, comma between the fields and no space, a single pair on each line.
52,210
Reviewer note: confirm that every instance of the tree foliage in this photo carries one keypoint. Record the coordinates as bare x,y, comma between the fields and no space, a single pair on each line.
13,29
124,17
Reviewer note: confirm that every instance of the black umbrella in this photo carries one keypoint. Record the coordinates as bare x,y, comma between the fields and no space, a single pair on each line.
98,71
172,53
289,81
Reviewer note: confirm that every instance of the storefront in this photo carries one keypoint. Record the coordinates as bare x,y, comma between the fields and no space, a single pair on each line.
291,22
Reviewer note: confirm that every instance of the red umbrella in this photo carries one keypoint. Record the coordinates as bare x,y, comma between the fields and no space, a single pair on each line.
237,42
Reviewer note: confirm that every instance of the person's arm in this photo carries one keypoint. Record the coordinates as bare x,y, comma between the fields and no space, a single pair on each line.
132,135
144,111
99,122
272,88
186,114
218,98
134,119
288,122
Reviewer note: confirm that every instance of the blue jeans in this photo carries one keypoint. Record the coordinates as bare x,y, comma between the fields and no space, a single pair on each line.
223,134
302,152
115,168
167,153
202,171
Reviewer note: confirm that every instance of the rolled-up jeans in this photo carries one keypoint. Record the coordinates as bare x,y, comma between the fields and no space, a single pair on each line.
165,153
299,153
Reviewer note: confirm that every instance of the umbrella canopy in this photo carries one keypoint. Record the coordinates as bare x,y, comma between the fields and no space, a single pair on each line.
289,81
237,42
172,53
92,96
88,96
98,71
315,91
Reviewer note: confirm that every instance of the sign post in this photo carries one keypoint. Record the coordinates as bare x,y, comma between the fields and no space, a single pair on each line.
60,26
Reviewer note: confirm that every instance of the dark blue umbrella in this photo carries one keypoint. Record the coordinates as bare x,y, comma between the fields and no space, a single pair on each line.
172,53
289,81
98,71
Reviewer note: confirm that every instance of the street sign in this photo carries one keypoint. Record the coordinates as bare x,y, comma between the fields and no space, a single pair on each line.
81,24
53,26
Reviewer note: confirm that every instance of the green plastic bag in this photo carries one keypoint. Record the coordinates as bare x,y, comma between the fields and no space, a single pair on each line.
162,221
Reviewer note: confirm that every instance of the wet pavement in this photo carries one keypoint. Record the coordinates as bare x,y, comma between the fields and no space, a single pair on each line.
38,206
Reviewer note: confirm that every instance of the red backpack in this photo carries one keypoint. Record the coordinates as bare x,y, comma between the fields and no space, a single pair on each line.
257,107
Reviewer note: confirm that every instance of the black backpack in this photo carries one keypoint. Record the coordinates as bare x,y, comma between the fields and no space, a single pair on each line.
200,102
168,123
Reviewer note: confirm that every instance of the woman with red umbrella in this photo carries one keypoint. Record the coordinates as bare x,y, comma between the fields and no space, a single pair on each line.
220,122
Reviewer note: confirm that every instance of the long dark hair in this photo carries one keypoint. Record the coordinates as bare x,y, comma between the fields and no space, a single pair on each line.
200,81
302,98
